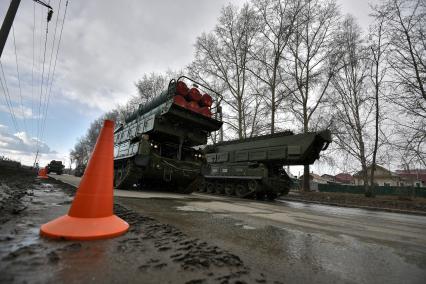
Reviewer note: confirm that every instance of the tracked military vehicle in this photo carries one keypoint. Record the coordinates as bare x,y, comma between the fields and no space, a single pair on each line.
155,147
79,170
255,167
55,167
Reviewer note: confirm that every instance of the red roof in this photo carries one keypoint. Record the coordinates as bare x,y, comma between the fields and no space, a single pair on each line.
344,177
413,174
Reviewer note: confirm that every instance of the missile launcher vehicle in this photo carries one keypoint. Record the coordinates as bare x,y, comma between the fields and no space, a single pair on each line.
255,167
79,170
55,167
155,147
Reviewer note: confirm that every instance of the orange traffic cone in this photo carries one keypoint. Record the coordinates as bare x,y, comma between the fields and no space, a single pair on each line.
91,214
42,173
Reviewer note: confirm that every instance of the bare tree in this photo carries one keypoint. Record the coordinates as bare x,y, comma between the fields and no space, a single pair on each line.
150,86
223,55
378,70
85,145
353,107
312,61
277,18
405,23
79,154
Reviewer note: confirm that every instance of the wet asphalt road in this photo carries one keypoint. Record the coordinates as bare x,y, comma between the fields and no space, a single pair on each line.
296,242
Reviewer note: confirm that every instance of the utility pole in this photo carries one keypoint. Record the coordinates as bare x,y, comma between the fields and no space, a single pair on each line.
7,23
10,16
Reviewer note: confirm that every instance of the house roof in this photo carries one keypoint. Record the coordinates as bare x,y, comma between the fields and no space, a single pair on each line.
416,174
378,167
315,176
327,175
344,177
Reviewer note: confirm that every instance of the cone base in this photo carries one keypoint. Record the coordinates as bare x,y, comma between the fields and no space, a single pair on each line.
41,177
73,228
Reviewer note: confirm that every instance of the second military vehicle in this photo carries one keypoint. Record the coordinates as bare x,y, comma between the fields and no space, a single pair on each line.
79,170
55,167
155,147
254,167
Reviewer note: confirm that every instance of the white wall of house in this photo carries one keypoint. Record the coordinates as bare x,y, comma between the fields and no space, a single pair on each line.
380,181
382,177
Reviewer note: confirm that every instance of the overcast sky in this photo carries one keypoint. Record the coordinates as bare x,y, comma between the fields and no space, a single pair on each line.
106,46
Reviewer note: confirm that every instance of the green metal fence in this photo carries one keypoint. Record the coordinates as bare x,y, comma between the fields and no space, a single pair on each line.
378,190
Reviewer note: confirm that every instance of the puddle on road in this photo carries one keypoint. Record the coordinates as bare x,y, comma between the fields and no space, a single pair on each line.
348,212
30,237
190,209
245,227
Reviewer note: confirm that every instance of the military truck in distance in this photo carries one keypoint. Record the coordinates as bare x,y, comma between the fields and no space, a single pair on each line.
255,167
155,147
79,170
55,167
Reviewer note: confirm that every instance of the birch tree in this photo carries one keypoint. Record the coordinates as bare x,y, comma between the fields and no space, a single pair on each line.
353,106
223,55
405,22
277,18
378,52
312,62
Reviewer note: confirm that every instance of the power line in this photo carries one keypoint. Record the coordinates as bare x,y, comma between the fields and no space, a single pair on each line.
41,128
53,43
40,63
47,95
7,97
32,69
19,79
56,59
41,90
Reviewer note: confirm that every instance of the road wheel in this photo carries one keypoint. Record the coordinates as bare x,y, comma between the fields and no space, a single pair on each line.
260,195
253,185
241,190
202,186
219,188
229,189
210,188
271,196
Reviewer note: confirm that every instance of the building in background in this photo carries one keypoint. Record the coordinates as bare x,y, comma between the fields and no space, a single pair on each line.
382,177
344,178
314,180
329,178
415,177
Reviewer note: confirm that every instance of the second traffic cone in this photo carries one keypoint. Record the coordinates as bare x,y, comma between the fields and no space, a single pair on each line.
91,214
42,173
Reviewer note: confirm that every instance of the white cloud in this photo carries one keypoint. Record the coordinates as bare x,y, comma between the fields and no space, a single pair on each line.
20,112
20,146
106,46
21,142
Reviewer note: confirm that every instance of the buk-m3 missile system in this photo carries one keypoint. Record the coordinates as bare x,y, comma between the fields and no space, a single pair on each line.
155,147
55,167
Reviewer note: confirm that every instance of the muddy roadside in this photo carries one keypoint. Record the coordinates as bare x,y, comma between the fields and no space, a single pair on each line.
17,185
151,252
385,203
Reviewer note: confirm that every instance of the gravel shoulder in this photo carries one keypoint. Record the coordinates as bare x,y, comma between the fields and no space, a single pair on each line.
151,252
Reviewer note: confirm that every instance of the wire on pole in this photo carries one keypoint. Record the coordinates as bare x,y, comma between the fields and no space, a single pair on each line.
19,80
